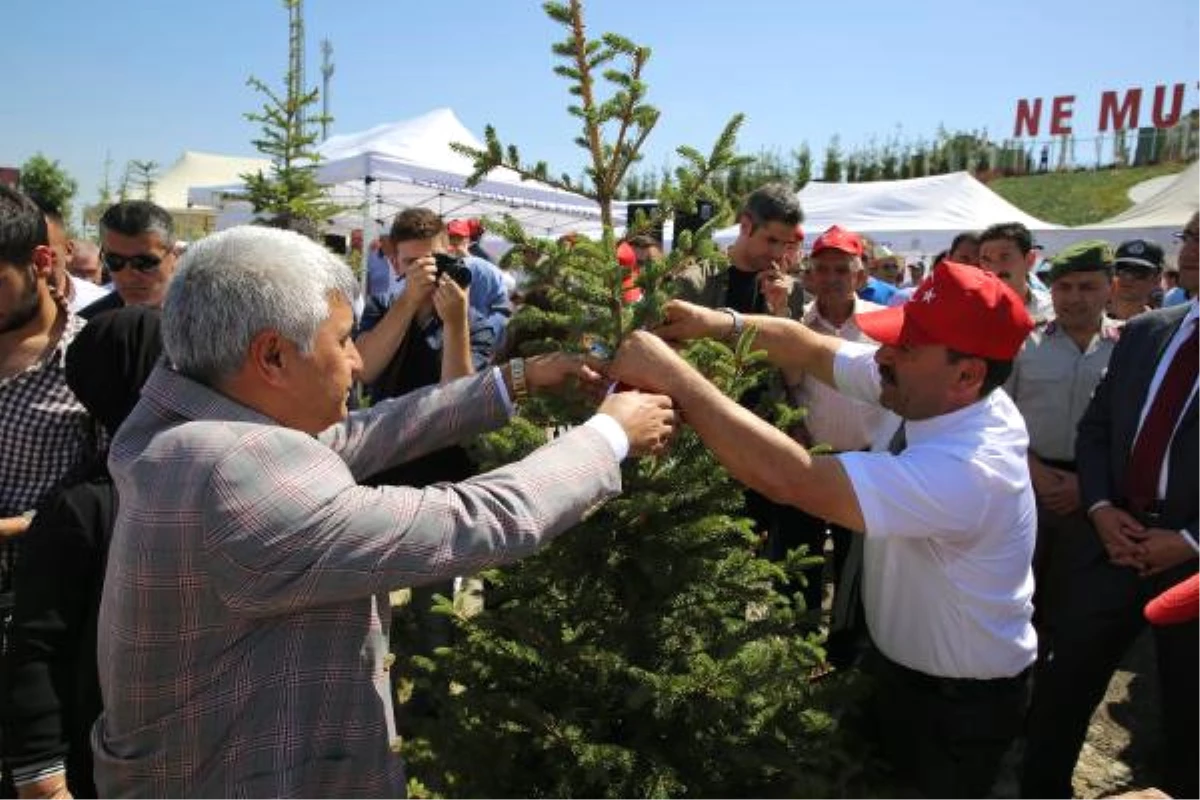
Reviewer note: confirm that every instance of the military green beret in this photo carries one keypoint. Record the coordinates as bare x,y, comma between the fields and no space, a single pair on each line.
1092,255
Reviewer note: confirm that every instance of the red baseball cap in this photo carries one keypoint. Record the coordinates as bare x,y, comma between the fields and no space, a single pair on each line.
838,238
459,227
626,256
959,306
1180,603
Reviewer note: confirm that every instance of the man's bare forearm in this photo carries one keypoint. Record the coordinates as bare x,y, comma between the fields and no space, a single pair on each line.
794,348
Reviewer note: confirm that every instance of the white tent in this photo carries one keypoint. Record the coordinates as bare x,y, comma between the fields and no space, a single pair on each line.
1169,208
170,189
917,216
1156,218
410,163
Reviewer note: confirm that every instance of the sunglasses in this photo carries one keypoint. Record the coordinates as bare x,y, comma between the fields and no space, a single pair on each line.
142,262
1135,273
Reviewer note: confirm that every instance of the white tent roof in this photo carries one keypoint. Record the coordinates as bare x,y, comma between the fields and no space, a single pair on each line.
1156,218
1169,208
170,190
410,163
913,216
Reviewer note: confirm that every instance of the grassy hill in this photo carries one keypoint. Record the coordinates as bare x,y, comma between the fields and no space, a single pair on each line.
1077,198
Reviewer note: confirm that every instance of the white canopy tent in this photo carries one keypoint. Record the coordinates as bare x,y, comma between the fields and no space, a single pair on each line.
171,189
410,163
915,217
1156,218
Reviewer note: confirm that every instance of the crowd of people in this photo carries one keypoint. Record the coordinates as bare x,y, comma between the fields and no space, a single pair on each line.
220,462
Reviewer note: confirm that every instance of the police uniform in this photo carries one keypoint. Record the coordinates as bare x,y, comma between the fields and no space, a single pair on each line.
1052,383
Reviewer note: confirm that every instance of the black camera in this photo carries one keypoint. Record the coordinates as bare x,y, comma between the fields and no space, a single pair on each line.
453,266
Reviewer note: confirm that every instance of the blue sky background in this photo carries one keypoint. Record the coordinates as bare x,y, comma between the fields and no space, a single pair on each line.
148,79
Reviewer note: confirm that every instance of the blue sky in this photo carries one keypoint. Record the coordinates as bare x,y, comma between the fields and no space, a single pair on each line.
148,79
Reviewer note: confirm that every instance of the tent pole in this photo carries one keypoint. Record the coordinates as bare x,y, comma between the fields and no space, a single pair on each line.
366,242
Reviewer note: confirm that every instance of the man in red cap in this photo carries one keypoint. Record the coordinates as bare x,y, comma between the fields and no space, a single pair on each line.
458,237
627,258
946,508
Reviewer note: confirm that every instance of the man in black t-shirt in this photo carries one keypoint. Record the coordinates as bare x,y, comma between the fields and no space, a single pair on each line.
756,282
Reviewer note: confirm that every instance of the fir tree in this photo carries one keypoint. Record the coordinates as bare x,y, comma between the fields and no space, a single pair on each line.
289,196
645,653
832,171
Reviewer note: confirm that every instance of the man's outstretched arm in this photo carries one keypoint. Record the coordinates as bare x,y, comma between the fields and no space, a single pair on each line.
790,346
755,452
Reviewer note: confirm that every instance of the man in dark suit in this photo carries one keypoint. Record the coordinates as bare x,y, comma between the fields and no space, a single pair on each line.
1137,460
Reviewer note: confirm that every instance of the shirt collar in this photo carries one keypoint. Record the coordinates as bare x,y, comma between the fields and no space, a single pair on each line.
180,395
813,315
1193,313
918,431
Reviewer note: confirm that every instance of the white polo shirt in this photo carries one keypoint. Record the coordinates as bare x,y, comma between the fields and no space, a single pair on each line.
947,578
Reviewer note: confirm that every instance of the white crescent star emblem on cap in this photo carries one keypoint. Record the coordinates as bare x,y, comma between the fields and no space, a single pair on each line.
928,296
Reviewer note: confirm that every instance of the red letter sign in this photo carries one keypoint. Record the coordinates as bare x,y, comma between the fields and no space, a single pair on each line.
1160,93
1123,116
1028,118
1060,115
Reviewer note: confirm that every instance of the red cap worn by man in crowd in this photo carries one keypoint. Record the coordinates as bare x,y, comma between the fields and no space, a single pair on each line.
627,258
838,238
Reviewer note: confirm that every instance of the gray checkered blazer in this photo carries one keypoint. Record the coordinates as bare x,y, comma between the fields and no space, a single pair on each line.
241,637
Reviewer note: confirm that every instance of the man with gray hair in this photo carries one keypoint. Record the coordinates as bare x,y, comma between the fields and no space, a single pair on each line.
242,643
137,247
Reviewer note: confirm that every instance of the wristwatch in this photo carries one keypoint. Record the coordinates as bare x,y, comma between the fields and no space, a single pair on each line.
739,323
516,368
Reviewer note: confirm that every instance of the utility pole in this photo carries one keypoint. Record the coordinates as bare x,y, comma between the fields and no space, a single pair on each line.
296,55
326,74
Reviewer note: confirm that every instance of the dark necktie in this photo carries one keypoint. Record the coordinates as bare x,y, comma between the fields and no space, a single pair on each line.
847,603
1150,448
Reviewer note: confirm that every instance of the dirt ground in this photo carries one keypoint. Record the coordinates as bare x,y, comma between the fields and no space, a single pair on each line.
1114,759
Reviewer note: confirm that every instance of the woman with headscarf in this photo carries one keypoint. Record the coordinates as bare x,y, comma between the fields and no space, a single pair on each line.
51,692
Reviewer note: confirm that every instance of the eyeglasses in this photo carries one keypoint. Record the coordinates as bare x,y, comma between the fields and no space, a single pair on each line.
143,262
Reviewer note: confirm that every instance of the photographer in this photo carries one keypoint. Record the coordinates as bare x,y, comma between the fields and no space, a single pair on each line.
427,332
425,335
